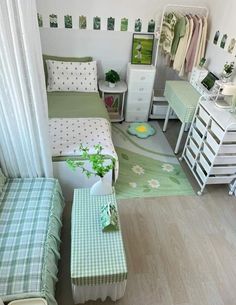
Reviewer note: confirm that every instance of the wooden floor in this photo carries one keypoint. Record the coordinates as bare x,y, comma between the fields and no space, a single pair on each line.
180,250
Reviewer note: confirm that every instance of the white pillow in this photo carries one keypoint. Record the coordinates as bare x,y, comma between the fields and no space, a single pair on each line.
72,76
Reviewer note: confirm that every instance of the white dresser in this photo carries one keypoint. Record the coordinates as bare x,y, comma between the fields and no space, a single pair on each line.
140,81
210,149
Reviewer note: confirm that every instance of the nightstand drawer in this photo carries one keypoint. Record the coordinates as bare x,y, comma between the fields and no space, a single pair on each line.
139,98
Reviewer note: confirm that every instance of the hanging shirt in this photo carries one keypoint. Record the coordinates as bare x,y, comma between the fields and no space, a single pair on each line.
198,47
202,47
193,45
181,50
179,32
167,33
190,34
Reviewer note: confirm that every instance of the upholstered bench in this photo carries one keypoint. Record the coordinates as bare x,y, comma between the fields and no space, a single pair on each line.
98,262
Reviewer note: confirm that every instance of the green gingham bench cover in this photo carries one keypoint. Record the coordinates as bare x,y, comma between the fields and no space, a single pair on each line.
30,213
96,257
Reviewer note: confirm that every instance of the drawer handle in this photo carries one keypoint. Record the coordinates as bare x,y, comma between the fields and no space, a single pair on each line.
143,78
141,89
138,109
140,99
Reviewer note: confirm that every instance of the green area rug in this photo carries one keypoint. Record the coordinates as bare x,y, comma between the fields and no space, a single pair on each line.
146,170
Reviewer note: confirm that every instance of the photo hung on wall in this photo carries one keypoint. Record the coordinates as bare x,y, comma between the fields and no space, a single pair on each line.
124,24
151,26
110,24
53,21
82,22
96,23
142,49
216,37
223,41
138,25
68,21
40,20
231,46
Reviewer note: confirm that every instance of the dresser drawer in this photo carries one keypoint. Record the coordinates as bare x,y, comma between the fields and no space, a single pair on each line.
136,116
139,98
223,170
196,136
200,126
204,115
137,107
140,87
193,147
230,137
190,156
142,76
217,130
227,149
212,142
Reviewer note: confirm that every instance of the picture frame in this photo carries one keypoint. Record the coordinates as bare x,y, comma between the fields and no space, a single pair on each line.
142,49
53,21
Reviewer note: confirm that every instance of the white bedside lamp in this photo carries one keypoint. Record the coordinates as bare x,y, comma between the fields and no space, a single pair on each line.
229,90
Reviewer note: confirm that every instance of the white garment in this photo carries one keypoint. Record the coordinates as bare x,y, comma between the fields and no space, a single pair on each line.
24,141
197,54
202,48
191,27
179,56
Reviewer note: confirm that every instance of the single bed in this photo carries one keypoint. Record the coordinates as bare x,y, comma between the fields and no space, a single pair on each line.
30,224
76,118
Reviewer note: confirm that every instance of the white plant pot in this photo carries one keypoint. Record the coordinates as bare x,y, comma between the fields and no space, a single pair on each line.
101,187
111,85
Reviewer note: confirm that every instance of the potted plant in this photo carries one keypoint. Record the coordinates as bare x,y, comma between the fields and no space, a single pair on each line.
112,77
99,168
227,71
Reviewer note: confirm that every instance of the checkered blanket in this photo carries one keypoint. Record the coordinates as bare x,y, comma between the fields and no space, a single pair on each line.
30,211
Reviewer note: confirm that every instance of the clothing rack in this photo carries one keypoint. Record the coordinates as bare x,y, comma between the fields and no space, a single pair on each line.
190,9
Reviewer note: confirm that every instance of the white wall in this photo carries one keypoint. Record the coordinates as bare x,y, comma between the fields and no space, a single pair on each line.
111,49
222,18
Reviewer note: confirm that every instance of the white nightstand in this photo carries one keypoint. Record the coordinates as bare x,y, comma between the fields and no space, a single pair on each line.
114,99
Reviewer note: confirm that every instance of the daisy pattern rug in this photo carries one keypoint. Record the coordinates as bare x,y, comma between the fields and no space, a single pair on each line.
147,167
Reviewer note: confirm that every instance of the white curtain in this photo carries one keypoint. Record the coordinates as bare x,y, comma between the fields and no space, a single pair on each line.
24,140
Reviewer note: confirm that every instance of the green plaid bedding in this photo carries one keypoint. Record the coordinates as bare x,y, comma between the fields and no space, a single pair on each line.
30,212
96,257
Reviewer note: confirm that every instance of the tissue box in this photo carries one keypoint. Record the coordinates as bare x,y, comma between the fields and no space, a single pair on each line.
109,218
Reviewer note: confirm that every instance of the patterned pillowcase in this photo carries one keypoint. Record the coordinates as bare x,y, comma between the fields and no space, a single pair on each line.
3,180
72,76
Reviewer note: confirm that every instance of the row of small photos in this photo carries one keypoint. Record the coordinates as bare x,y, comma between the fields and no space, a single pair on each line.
68,23
224,41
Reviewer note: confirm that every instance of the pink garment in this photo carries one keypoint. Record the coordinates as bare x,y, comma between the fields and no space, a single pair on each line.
193,45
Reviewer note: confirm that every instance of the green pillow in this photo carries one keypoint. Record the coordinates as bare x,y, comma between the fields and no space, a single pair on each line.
3,180
60,58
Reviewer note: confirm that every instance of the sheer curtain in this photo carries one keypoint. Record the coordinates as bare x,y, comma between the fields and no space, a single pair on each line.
24,141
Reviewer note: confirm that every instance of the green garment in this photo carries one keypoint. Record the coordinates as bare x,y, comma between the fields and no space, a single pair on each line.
180,29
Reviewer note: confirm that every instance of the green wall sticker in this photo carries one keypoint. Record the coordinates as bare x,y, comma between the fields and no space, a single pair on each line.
68,21
124,24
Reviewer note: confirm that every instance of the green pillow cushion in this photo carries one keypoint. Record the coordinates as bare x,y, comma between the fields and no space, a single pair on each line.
60,58
3,180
